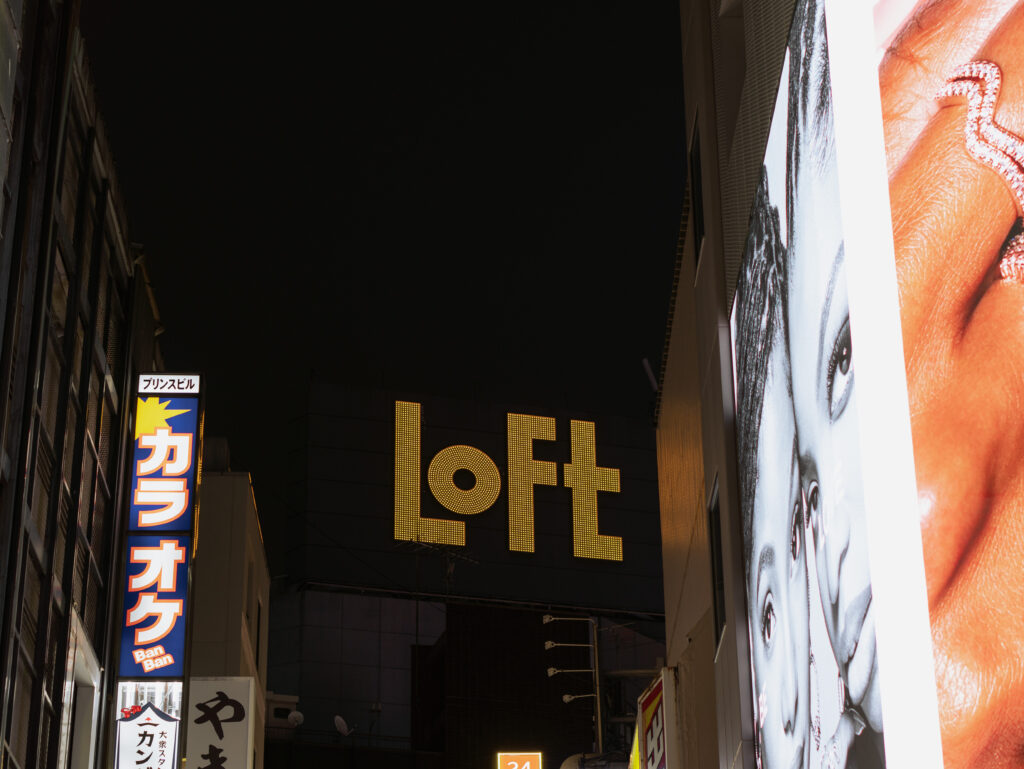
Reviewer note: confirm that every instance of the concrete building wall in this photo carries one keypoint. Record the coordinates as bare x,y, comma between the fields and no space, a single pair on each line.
351,655
733,52
232,589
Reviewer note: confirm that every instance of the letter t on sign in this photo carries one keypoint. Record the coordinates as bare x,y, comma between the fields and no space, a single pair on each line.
585,479
524,472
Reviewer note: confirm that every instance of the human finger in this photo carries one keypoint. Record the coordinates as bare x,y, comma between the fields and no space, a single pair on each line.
935,39
978,634
951,499
951,213
944,246
968,432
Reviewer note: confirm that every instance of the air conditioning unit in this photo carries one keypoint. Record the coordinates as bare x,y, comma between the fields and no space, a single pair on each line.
279,708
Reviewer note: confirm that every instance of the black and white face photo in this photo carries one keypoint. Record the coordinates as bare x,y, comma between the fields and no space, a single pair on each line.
774,532
824,384
817,703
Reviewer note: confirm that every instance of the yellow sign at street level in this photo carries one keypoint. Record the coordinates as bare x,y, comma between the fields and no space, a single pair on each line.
519,761
581,474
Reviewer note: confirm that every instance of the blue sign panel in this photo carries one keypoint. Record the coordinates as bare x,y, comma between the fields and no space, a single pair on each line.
164,463
162,504
156,586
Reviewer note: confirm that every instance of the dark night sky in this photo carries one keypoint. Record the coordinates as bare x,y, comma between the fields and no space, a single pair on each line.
460,198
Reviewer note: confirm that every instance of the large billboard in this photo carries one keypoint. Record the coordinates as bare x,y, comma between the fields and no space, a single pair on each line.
881,489
943,134
810,598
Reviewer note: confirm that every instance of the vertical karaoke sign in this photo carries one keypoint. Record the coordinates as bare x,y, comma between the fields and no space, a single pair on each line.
163,503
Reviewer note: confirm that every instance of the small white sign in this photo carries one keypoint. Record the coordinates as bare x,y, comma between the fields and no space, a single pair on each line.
147,739
220,724
159,383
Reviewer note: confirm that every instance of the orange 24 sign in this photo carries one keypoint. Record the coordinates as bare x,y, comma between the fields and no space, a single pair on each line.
519,761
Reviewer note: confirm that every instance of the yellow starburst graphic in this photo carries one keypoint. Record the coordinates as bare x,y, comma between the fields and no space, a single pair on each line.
151,415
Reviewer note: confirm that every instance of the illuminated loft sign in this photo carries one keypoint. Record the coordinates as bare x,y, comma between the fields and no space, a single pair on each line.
581,474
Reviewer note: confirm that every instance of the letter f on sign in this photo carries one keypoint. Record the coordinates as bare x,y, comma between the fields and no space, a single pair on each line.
525,472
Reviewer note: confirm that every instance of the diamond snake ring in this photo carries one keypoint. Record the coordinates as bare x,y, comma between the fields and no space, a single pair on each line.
991,144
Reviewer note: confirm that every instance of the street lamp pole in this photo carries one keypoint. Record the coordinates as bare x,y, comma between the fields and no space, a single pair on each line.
595,669
597,691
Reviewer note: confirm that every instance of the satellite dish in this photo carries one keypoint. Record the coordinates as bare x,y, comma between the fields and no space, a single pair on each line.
343,729
295,718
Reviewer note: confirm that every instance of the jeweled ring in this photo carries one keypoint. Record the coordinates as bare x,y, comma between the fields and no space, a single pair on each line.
991,144
1011,265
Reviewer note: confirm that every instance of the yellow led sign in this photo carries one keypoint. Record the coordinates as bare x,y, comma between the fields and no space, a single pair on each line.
585,479
408,522
581,475
441,477
523,472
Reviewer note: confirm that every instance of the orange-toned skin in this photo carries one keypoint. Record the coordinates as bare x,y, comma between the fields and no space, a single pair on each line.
963,336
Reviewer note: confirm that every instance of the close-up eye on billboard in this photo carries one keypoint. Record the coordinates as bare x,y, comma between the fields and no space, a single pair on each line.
881,489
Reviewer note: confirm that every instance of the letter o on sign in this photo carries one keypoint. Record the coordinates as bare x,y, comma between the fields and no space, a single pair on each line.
441,477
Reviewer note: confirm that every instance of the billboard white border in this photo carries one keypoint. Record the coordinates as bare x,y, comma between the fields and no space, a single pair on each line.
905,658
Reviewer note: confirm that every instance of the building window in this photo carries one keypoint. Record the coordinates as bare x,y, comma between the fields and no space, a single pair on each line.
696,196
717,569
259,632
250,594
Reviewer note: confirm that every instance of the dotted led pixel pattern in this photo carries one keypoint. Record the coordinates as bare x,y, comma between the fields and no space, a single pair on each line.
524,472
585,479
409,525
486,486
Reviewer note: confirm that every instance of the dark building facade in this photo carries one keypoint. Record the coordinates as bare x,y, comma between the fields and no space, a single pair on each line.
409,606
78,321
